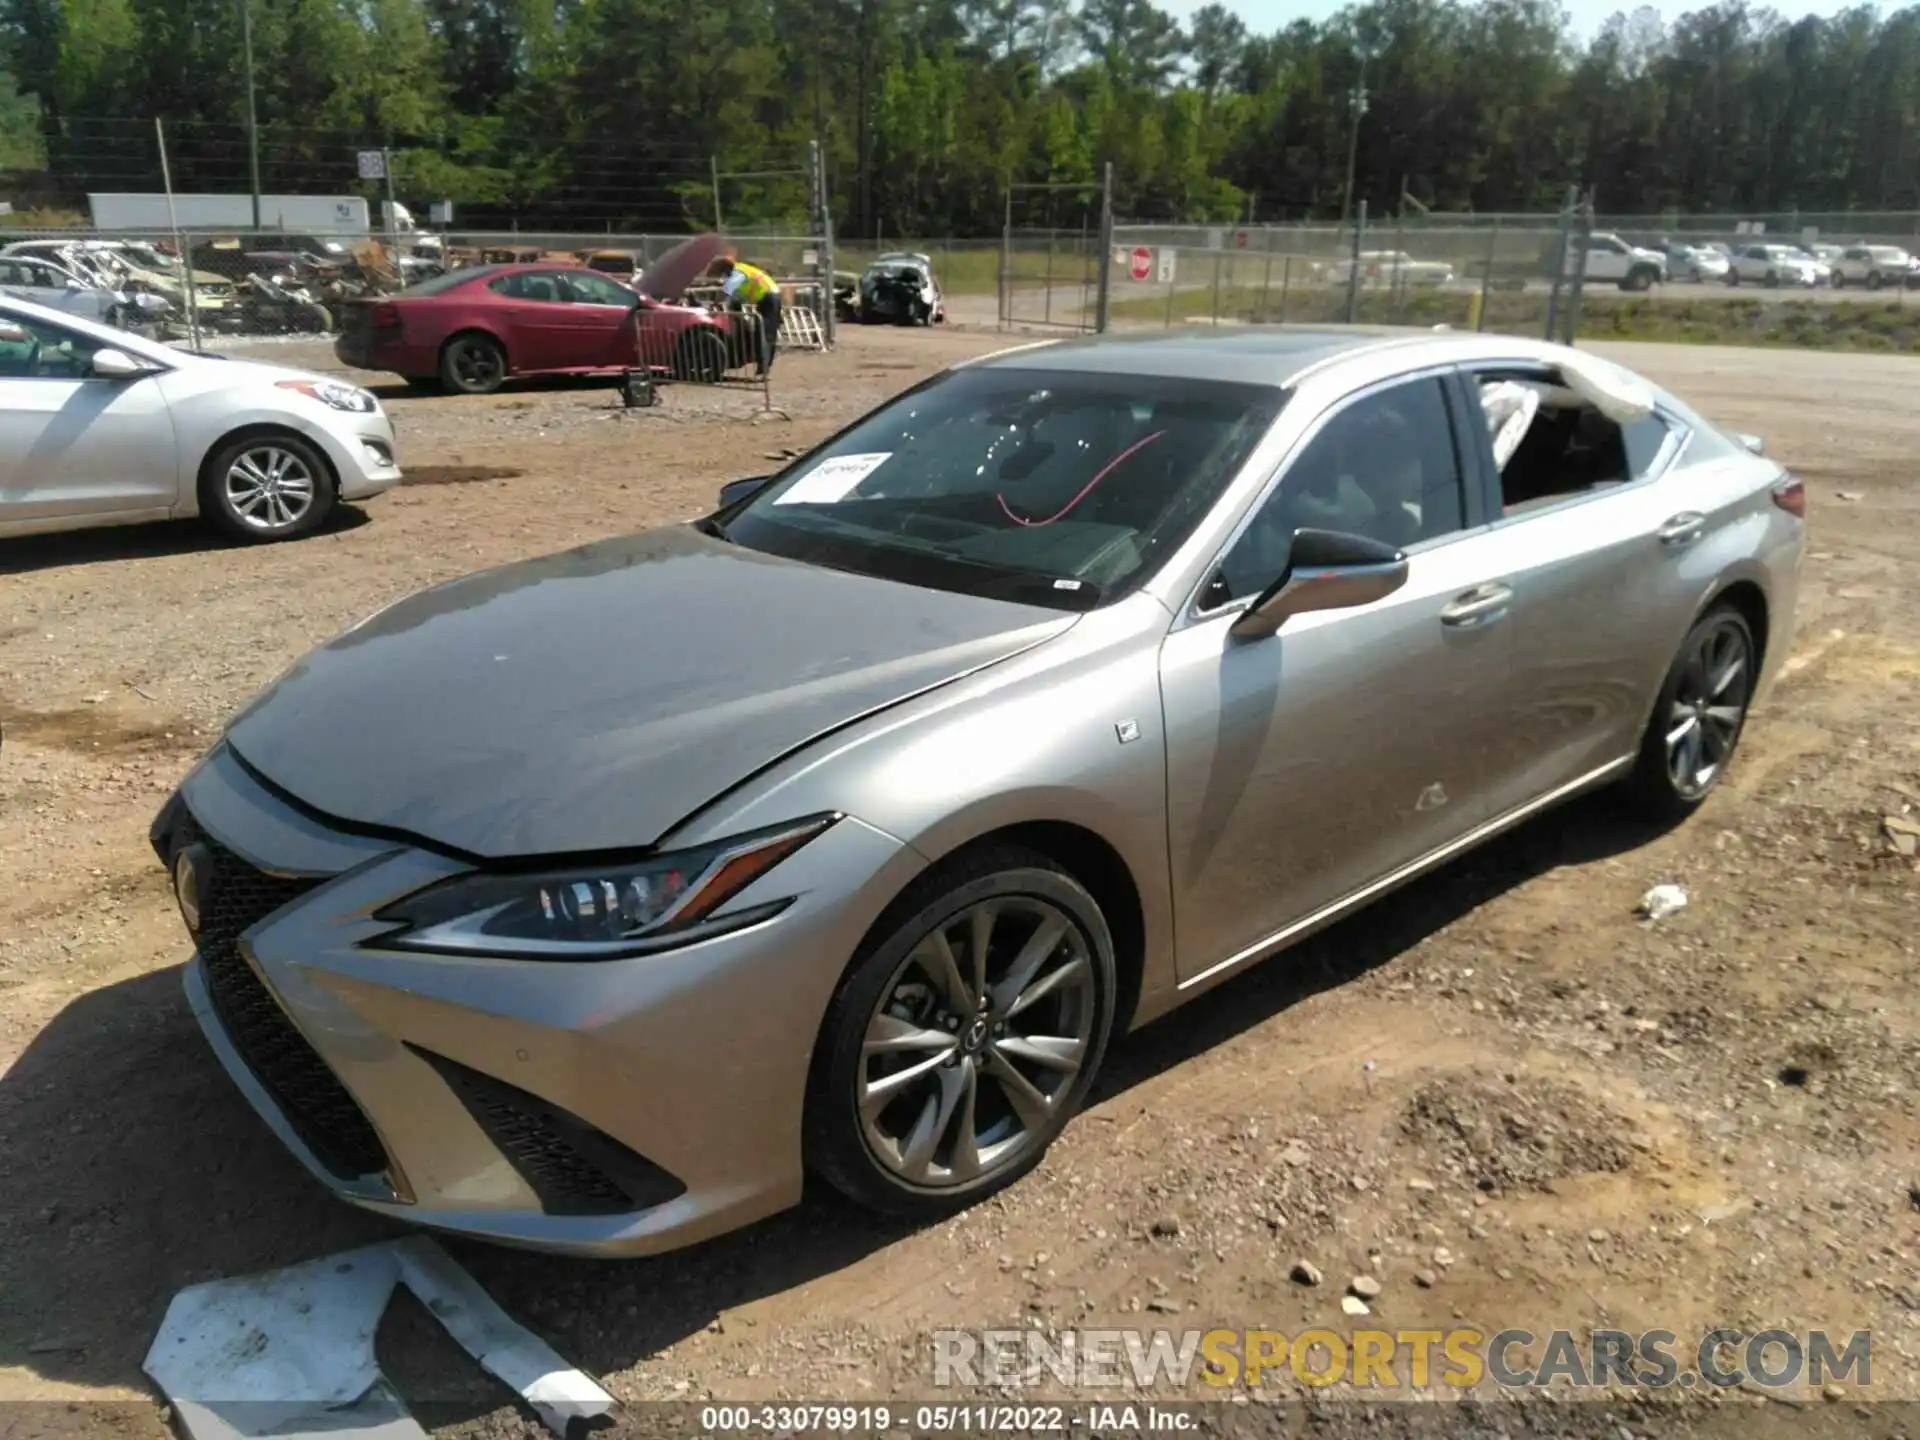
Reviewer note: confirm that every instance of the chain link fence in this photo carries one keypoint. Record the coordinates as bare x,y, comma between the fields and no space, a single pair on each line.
1536,275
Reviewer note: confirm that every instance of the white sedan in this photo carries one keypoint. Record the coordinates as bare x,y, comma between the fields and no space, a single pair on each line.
99,427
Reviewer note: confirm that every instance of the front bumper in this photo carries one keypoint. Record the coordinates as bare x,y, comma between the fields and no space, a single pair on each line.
363,453
609,1108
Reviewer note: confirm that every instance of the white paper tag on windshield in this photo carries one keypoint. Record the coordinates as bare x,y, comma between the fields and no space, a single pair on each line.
831,479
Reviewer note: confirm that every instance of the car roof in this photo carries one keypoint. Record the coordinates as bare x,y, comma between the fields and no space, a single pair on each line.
1276,355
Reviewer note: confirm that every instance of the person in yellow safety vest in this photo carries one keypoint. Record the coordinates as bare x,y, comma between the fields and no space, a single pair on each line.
752,288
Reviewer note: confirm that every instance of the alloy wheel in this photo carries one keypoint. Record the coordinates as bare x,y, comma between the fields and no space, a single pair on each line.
269,489
976,1041
1709,707
476,366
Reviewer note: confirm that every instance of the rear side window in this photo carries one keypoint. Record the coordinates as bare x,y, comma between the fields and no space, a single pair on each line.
1551,444
1645,438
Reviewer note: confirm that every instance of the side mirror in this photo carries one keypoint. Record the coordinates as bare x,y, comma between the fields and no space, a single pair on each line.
735,491
117,365
1326,570
1754,444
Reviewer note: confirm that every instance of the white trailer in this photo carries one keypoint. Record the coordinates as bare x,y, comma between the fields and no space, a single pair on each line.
302,214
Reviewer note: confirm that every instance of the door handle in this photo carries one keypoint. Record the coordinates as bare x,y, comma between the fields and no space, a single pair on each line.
1683,529
1481,605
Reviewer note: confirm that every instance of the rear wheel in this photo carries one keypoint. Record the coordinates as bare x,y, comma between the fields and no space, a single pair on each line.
1699,717
473,364
958,1046
266,487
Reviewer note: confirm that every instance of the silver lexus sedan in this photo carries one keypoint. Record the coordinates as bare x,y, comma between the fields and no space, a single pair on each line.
840,831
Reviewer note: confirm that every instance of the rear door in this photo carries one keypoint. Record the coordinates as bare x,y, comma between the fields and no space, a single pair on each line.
1597,576
534,313
73,445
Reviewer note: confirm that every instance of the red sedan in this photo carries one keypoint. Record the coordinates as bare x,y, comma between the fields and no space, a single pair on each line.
471,330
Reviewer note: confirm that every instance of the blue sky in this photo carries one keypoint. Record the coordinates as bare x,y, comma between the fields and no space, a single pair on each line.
1266,16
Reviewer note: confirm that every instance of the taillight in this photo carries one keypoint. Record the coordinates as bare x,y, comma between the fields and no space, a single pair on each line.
385,315
1791,496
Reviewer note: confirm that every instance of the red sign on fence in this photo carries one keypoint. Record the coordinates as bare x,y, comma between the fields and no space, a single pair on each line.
1140,263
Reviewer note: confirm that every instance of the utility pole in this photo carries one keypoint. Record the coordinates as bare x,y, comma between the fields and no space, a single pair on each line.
1357,100
253,119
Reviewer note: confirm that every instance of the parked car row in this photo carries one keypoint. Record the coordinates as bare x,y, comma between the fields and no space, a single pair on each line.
1775,263
93,284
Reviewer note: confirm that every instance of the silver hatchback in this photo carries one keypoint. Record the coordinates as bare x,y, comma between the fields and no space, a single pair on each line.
838,832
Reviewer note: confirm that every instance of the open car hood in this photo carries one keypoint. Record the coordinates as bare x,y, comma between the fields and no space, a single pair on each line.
668,277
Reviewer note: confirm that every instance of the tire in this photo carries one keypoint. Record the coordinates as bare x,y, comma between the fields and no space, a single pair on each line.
701,356
267,486
1773,280
1666,784
473,364
1839,281
891,993
1636,280
1733,277
1874,282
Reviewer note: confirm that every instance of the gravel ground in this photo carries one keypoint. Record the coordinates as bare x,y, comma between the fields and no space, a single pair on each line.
1500,1094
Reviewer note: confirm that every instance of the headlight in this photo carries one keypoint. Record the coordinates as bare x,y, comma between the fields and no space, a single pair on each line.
600,912
333,394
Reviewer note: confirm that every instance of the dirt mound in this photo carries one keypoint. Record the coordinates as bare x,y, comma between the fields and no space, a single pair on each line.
1517,1133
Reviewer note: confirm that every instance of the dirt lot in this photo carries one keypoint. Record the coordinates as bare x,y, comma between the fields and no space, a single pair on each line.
1500,1093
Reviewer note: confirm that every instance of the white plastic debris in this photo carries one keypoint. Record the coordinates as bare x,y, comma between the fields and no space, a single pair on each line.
1662,901
290,1353
1510,410
1617,394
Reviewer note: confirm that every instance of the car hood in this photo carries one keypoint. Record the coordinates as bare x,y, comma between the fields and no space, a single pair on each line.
592,700
668,277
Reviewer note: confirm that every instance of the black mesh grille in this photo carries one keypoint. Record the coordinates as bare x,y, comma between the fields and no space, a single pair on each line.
234,897
574,1168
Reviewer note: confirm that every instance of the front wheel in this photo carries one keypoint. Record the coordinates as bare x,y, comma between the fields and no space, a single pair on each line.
701,357
958,1046
266,487
1698,718
1874,282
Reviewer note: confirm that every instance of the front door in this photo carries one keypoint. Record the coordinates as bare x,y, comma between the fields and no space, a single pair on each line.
1306,767
599,315
72,444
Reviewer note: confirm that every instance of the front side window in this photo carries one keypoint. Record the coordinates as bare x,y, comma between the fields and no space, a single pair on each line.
34,350
1385,467
590,289
1049,487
